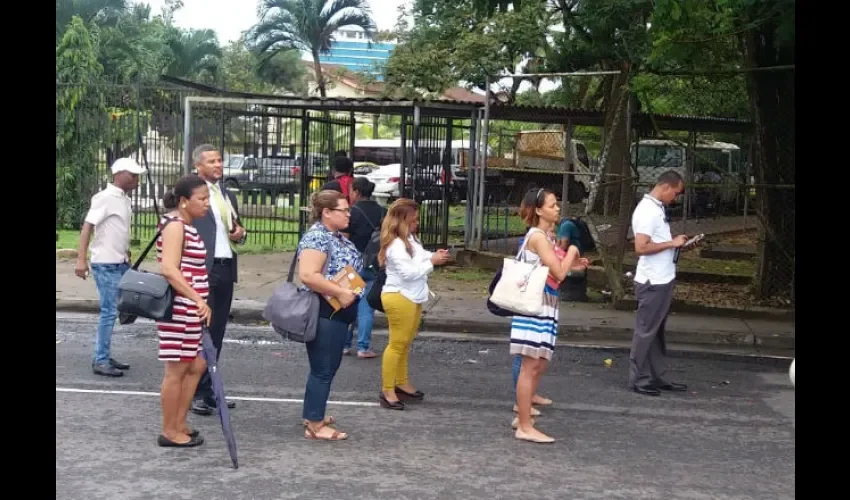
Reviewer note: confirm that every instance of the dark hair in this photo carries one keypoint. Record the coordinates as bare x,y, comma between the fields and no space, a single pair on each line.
183,188
530,203
340,153
320,200
343,164
363,186
670,178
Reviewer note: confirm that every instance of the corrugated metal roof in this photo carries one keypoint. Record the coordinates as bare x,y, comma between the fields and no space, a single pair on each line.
498,110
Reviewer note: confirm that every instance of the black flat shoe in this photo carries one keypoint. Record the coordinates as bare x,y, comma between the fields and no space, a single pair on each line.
407,396
167,443
390,405
671,386
647,391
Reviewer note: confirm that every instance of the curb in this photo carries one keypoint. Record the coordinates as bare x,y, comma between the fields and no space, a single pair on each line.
250,311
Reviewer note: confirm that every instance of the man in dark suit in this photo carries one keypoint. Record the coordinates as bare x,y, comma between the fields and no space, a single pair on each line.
220,230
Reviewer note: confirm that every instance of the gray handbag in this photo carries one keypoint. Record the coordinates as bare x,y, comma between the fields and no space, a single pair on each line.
144,294
292,312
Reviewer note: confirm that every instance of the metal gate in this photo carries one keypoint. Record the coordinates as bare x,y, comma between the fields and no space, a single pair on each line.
274,159
426,174
324,136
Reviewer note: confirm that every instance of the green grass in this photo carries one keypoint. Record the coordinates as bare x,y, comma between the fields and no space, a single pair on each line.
265,235
494,220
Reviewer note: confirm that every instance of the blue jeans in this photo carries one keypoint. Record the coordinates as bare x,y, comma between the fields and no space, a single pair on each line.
325,355
106,277
516,367
365,318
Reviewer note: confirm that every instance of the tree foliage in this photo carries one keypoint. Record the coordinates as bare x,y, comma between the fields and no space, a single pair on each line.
307,25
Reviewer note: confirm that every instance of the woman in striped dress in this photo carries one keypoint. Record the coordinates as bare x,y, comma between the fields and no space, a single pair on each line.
533,338
181,254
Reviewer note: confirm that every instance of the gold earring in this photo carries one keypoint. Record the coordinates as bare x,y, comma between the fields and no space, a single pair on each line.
183,206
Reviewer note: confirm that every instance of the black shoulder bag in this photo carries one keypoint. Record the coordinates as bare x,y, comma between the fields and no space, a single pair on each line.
145,294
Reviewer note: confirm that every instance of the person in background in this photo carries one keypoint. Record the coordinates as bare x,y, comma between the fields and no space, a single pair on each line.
534,337
407,265
108,218
324,243
181,254
569,234
655,277
221,231
366,216
343,176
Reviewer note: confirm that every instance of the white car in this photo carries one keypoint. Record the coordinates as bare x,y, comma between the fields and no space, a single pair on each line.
387,179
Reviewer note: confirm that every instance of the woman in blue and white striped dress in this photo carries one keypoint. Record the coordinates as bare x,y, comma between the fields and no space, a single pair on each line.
533,338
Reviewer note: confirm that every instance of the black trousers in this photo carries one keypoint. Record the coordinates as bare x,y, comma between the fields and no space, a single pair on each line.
219,300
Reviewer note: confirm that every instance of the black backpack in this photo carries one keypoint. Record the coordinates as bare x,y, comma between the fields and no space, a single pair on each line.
370,253
586,239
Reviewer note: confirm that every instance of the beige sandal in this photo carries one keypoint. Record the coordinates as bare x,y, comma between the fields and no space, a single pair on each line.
534,411
542,402
515,423
526,437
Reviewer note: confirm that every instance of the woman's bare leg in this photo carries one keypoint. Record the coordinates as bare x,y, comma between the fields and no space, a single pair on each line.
170,399
190,384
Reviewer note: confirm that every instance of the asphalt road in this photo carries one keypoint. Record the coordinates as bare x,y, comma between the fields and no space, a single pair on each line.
731,436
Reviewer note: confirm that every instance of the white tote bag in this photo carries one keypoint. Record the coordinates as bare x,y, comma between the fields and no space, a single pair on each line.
520,289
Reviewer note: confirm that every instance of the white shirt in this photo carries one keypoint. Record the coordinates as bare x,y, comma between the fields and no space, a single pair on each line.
110,214
408,275
649,219
222,239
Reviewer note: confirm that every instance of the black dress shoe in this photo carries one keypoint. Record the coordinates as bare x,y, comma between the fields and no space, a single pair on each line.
407,396
119,365
646,391
107,370
671,386
212,404
200,407
390,405
165,442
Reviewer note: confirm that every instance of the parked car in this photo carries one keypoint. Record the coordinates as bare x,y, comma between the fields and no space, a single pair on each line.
387,179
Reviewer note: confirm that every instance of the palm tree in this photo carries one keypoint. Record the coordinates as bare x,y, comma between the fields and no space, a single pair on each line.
105,12
194,54
307,25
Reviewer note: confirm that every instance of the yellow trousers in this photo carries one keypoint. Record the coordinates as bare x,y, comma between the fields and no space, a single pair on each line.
403,318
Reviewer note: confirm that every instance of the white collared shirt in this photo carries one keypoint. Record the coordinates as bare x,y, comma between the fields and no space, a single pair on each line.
222,239
650,219
110,214
408,275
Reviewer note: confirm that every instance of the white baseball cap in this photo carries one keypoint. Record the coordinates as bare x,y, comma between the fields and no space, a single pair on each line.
128,165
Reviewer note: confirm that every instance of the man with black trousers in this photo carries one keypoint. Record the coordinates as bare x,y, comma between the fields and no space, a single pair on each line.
655,278
220,231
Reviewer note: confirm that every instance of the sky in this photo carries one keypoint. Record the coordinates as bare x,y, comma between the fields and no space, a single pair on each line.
229,18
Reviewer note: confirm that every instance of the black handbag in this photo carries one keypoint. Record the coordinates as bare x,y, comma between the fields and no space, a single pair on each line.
144,294
374,297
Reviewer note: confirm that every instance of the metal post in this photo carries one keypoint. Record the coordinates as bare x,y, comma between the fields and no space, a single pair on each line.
690,160
187,135
470,179
417,117
352,132
449,179
568,162
485,142
402,174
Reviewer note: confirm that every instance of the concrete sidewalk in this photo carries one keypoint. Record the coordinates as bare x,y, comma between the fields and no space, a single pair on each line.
461,308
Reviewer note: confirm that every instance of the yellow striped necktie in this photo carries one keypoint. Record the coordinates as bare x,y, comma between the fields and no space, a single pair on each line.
224,212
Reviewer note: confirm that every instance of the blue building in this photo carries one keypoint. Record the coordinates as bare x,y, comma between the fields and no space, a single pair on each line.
352,50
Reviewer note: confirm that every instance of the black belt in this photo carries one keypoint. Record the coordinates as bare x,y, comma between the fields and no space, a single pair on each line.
223,262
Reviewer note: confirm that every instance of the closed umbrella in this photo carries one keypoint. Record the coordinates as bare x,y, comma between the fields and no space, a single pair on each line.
209,352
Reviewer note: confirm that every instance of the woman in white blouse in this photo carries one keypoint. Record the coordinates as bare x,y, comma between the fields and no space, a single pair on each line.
406,289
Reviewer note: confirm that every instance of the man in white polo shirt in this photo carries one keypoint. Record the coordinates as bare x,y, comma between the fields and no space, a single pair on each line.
654,281
109,218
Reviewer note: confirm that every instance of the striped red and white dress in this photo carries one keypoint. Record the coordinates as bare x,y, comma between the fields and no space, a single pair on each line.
180,338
